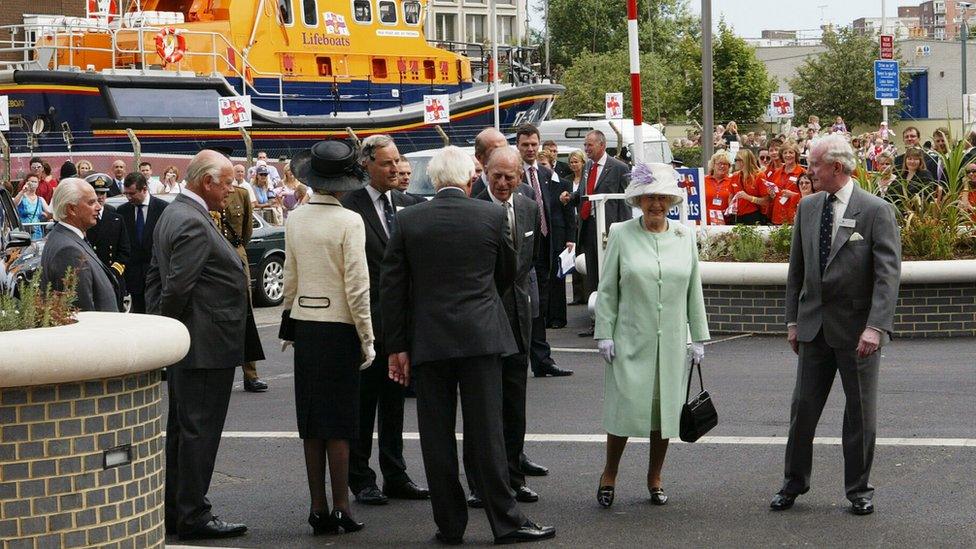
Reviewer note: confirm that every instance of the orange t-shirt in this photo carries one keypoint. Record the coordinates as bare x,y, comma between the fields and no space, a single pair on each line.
784,205
716,198
754,186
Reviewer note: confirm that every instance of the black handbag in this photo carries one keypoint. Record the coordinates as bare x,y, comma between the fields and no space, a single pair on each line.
698,416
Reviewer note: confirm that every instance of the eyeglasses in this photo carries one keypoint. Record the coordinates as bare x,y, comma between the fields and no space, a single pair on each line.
970,172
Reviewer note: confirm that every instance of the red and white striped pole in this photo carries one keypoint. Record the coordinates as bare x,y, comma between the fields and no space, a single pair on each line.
635,84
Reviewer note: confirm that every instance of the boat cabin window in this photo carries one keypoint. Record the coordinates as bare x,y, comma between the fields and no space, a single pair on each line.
310,13
411,12
379,68
284,10
388,14
362,11
325,65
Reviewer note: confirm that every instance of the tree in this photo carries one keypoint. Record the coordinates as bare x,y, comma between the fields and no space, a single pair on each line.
600,26
592,75
840,81
741,85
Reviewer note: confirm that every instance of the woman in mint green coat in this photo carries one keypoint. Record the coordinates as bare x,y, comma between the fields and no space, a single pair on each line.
650,295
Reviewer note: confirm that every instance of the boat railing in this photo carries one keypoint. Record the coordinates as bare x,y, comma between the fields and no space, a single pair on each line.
516,64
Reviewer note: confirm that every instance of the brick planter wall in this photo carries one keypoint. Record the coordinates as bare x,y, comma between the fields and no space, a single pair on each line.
54,490
923,310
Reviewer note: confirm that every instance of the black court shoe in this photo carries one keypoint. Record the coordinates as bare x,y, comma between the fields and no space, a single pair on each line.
344,521
321,524
658,497
604,496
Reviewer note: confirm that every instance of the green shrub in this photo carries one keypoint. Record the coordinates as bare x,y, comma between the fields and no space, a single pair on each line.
747,244
780,240
37,307
690,156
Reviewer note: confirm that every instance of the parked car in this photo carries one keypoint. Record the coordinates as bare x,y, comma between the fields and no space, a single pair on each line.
15,244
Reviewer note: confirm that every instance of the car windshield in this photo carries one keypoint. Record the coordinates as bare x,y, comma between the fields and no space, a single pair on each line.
420,184
657,151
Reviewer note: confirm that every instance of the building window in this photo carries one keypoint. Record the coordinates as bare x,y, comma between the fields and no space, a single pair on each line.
310,13
505,2
506,29
362,11
388,14
284,11
445,27
411,12
474,27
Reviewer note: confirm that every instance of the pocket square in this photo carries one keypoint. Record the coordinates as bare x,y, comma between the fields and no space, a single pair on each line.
856,236
529,233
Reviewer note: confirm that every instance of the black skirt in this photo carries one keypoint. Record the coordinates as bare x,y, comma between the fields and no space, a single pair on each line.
327,359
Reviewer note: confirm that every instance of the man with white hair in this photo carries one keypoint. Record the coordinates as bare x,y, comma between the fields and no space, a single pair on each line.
76,209
485,142
447,262
197,278
841,290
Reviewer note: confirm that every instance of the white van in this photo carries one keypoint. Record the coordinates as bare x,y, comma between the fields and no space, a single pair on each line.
571,132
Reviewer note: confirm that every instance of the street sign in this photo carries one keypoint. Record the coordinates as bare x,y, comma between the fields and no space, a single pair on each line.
615,105
886,79
782,104
887,46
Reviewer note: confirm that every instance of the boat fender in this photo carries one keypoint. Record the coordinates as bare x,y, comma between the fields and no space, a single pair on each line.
170,45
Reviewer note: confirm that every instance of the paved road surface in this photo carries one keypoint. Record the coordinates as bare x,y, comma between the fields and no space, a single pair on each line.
924,471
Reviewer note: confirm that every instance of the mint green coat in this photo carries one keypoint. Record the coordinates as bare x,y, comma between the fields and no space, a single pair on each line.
650,295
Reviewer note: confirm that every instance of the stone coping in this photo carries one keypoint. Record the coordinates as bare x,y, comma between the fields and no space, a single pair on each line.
774,274
99,345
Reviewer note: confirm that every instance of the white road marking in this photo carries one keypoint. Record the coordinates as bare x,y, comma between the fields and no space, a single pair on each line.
599,438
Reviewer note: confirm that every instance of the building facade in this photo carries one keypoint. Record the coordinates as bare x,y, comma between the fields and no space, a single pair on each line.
469,21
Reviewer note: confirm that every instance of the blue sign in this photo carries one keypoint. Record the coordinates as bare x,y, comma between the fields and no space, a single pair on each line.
886,79
692,181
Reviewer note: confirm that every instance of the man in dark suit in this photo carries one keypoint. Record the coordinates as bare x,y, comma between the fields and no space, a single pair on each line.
447,262
197,278
380,399
118,178
140,214
108,237
555,219
841,290
504,171
602,175
76,210
561,168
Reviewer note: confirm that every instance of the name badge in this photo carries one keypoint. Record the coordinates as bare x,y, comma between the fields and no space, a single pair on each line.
784,199
846,223
716,202
793,178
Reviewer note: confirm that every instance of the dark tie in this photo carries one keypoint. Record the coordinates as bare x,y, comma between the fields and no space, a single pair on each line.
826,227
544,227
388,214
140,222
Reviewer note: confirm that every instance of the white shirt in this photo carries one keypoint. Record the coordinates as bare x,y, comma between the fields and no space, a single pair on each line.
250,189
194,197
375,195
74,229
155,187
840,205
145,212
528,175
599,170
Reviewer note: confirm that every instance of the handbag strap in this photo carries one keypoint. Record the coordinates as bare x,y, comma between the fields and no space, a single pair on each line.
701,382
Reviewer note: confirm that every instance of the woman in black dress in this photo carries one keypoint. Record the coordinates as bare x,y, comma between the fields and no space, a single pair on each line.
327,298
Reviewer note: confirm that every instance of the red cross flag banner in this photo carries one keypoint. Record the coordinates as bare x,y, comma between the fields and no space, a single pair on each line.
437,109
615,105
782,104
4,113
234,112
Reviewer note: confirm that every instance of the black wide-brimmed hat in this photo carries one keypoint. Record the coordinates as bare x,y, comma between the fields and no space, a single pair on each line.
330,166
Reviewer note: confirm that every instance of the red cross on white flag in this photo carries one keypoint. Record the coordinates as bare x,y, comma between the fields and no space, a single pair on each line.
437,109
234,112
782,104
335,24
615,105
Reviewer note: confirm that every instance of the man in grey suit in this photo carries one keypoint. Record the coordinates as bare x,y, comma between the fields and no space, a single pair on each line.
197,278
76,208
504,172
446,264
602,174
845,266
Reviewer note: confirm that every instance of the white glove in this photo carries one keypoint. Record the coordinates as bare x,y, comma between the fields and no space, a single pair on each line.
369,355
697,351
606,349
286,344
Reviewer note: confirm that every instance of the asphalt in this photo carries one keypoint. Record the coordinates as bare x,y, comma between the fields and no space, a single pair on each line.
926,488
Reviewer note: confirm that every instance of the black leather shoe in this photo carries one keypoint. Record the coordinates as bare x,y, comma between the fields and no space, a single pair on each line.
342,520
215,529
782,501
529,531
255,386
371,495
322,524
526,495
586,333
475,502
658,497
407,490
552,370
448,540
532,469
558,325
862,506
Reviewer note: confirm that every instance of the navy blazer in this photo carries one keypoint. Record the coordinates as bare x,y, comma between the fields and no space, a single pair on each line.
140,251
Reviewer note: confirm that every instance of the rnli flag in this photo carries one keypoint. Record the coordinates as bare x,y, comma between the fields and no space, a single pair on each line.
234,112
437,109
